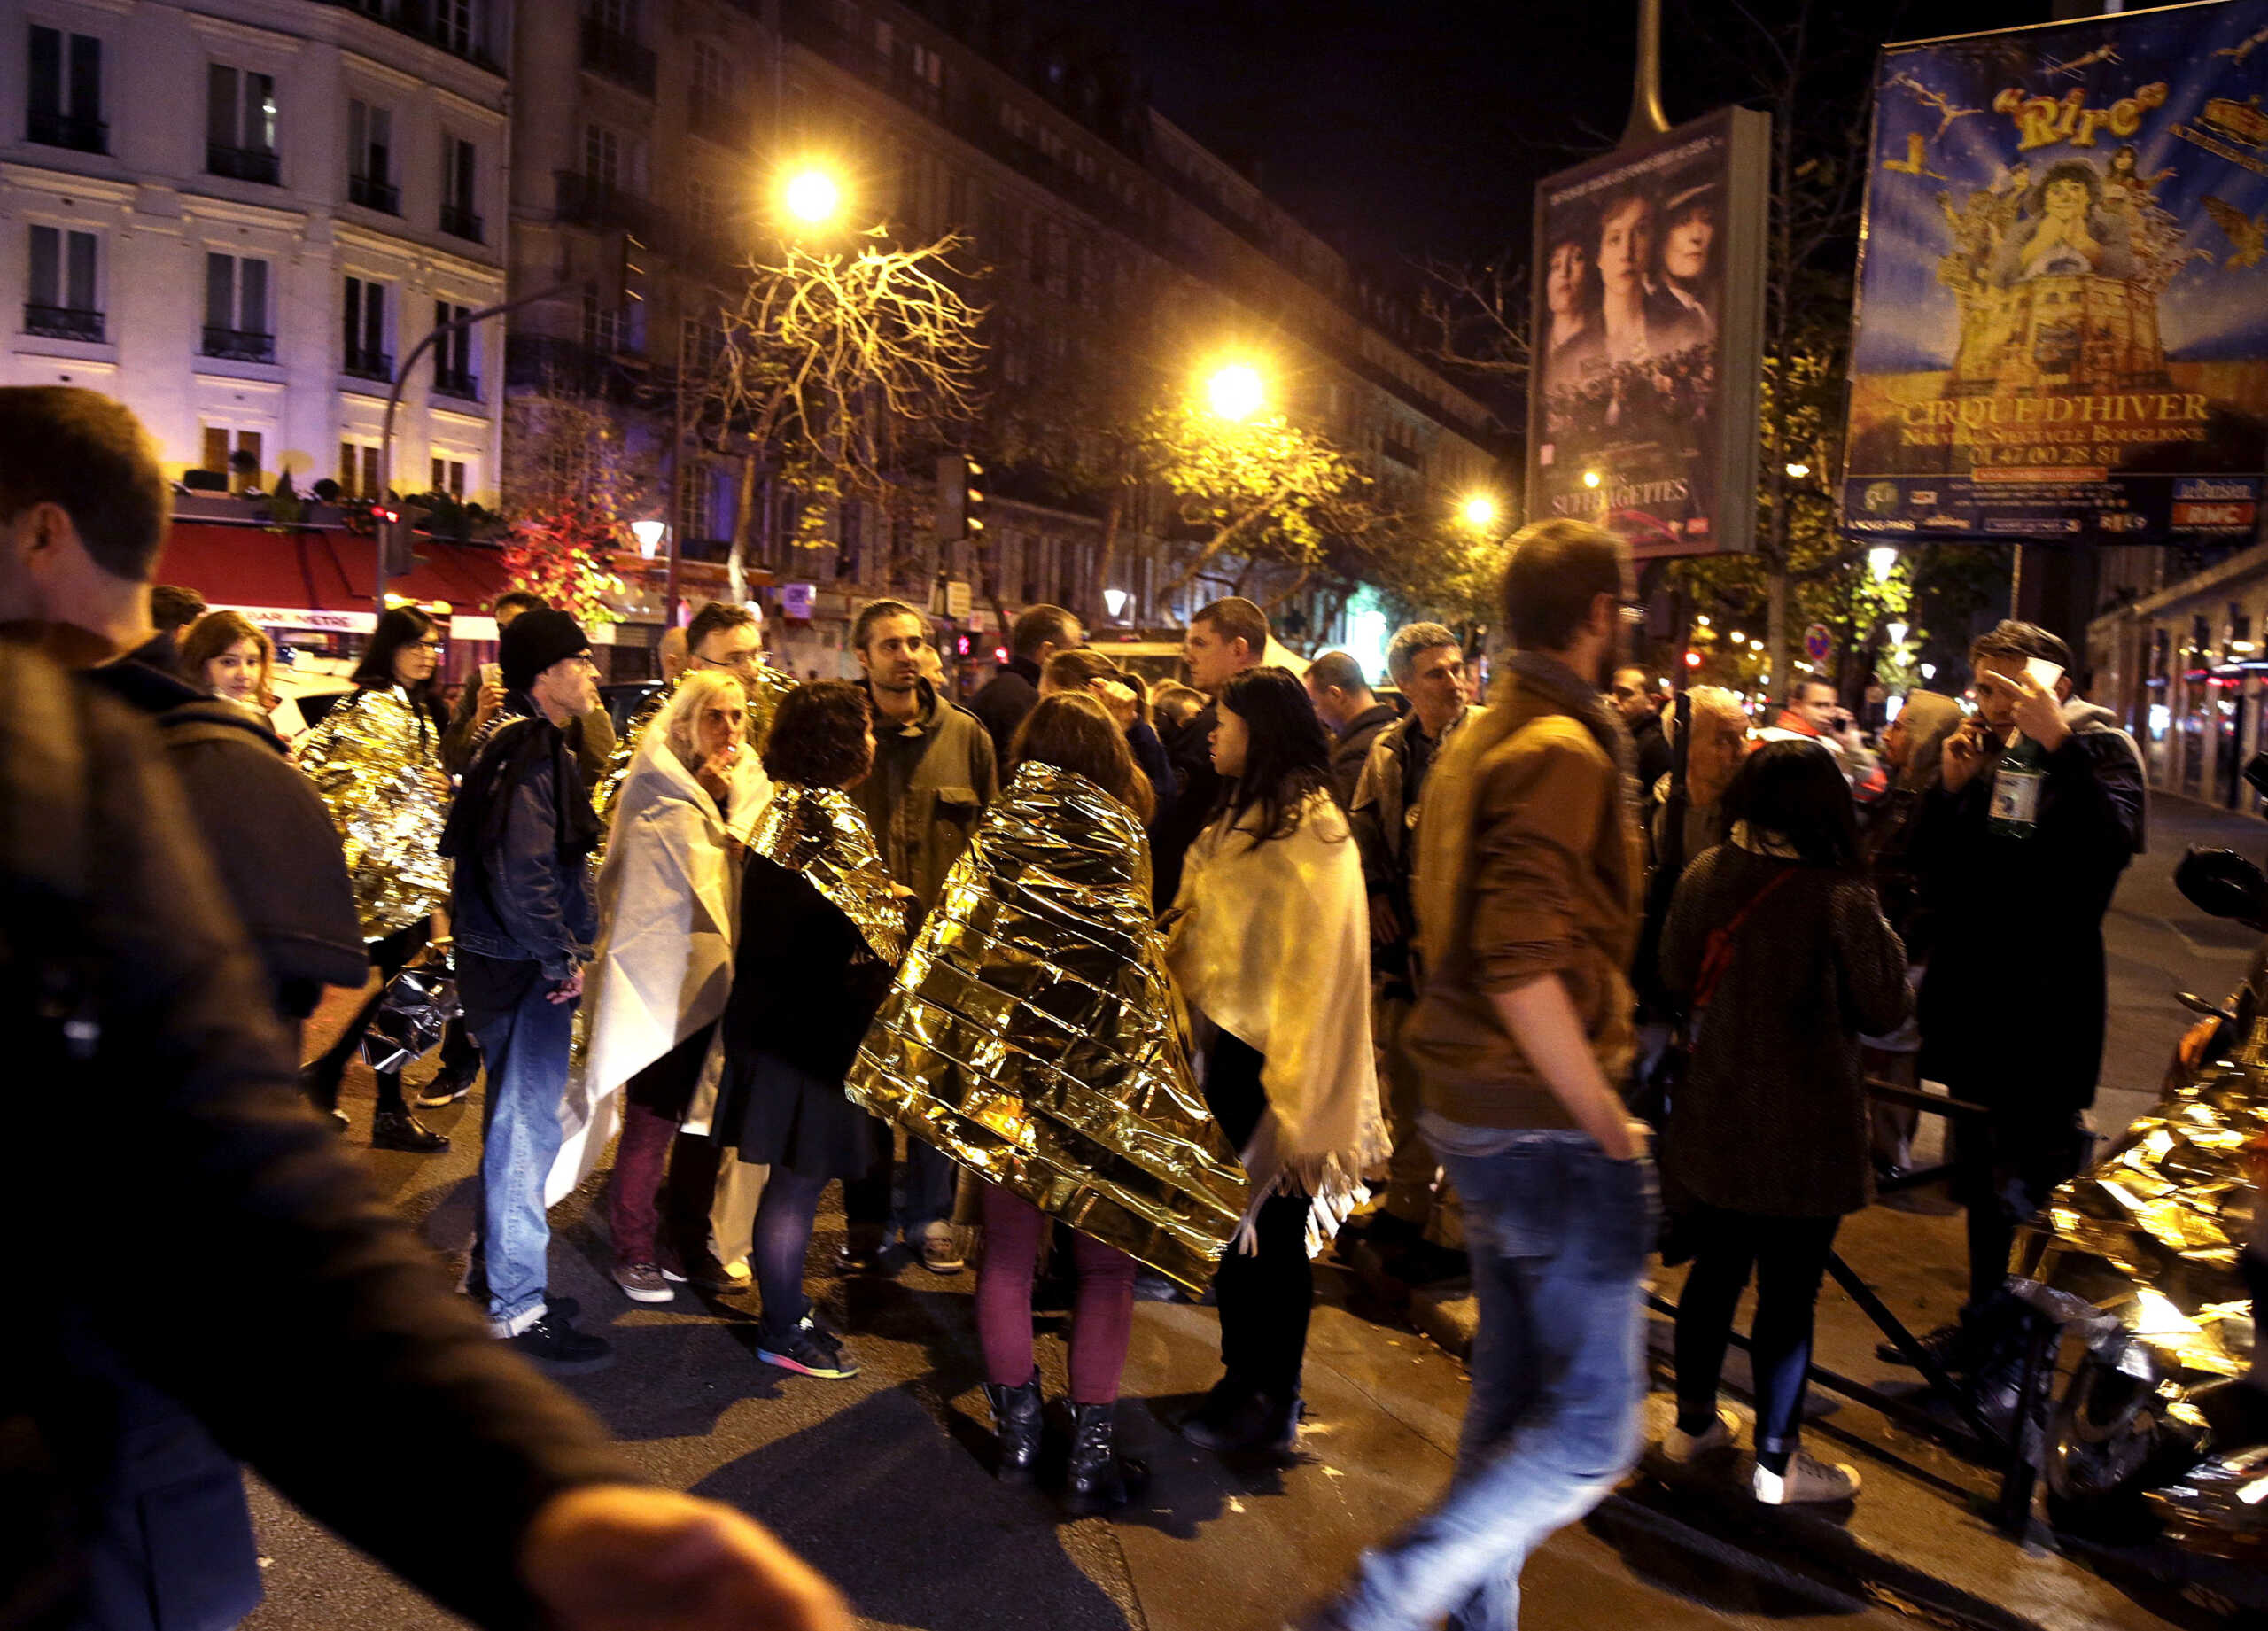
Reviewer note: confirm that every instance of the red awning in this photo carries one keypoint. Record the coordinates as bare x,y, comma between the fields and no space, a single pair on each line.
319,570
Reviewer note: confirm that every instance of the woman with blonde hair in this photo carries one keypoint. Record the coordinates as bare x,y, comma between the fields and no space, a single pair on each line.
668,898
228,654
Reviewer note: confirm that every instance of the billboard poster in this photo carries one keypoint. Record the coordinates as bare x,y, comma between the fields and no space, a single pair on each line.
1648,316
2062,322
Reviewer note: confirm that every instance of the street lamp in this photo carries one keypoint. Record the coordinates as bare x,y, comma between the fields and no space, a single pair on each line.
1798,469
1113,601
812,196
649,534
1897,632
1235,391
1591,479
1882,560
1480,512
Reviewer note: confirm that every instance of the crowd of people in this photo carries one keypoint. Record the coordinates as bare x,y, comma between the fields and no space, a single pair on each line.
855,933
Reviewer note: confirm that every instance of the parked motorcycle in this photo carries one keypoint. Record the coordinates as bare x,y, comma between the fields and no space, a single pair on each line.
2156,1258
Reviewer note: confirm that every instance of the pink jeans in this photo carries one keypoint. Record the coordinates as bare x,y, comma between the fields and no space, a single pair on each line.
1102,1317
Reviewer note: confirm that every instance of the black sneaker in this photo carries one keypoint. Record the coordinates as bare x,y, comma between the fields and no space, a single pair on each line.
446,1087
864,1249
559,1347
1954,1346
397,1130
806,1348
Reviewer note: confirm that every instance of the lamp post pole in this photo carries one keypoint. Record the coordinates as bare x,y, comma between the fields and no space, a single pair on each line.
393,404
1646,116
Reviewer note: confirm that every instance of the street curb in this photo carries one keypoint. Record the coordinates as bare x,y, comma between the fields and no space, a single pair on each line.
1791,1551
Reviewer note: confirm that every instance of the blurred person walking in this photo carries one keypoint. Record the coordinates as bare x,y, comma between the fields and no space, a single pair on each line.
821,929
1527,901
668,902
1269,941
375,760
1638,698
1775,940
521,833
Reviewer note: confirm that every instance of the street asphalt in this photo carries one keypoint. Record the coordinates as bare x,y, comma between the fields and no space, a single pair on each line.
881,1481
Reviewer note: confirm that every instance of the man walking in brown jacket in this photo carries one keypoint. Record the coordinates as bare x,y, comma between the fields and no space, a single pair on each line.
1527,884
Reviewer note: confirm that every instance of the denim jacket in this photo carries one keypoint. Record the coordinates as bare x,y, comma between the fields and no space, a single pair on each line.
520,902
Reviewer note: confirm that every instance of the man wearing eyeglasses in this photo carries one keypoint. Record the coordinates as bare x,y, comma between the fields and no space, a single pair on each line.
590,736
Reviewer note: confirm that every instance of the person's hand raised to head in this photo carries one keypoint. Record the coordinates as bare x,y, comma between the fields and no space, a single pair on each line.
621,1558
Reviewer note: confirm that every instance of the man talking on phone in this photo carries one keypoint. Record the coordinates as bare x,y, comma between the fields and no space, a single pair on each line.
2041,805
1815,711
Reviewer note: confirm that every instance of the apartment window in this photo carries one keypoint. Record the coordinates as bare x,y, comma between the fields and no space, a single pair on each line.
696,509
358,469
621,16
369,157
64,100
366,329
714,111
705,207
236,309
240,124
456,23
460,184
601,326
448,476
236,452
602,158
453,353
63,303
928,67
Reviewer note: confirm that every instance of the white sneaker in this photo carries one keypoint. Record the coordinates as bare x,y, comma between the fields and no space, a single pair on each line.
1806,1482
1682,1448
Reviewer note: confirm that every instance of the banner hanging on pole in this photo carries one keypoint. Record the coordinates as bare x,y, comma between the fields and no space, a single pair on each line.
1648,319
2063,323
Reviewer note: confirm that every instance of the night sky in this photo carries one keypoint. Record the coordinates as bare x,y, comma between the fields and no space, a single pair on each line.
1419,129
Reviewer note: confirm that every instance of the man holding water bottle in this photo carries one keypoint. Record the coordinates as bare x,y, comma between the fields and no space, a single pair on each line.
2018,850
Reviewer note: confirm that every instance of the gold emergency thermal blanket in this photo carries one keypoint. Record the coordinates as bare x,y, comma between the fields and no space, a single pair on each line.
377,765
766,686
1032,1034
820,833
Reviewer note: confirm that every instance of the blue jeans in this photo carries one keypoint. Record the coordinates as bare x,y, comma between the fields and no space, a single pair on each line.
524,1042
1559,1235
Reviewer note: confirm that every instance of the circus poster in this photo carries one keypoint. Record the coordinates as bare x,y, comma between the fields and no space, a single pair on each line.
2063,323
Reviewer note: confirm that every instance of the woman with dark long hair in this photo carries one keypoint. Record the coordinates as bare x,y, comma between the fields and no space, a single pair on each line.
1777,941
821,929
1270,941
376,760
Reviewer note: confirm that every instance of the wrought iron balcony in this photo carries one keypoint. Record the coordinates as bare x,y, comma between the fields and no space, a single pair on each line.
459,383
86,135
373,193
362,364
612,54
459,222
236,345
452,29
244,164
587,201
63,323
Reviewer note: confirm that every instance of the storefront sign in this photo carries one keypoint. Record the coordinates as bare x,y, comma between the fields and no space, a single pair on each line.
1648,315
796,601
305,617
2063,326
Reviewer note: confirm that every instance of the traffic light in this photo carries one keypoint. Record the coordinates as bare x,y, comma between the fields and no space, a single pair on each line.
961,501
396,525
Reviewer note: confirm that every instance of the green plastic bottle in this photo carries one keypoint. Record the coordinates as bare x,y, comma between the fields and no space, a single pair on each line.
2016,781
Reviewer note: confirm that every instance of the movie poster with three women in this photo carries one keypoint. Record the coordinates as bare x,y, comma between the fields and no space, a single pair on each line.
1648,316
2063,324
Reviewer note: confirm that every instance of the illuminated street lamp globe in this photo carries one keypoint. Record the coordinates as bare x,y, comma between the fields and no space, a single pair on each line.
813,197
1236,391
1591,479
1480,510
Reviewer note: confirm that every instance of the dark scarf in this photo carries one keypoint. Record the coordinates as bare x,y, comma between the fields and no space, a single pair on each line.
1560,683
521,740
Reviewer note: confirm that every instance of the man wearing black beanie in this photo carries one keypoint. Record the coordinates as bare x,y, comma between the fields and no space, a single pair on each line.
520,832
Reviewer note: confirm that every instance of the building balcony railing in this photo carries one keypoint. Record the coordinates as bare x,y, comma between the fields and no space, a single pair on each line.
721,118
460,384
612,54
63,323
361,364
459,222
244,164
373,193
450,28
236,345
586,201
86,135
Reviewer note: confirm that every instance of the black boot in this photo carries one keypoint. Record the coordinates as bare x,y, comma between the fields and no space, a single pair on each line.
1015,1419
398,1130
1097,1478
